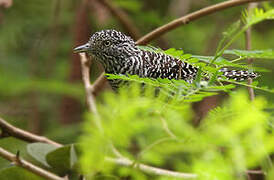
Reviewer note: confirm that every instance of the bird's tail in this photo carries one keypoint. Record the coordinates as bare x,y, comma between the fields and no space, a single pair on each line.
238,75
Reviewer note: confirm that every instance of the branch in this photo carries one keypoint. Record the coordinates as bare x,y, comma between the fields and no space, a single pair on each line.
122,18
149,169
248,47
255,172
24,135
99,84
28,166
85,62
191,17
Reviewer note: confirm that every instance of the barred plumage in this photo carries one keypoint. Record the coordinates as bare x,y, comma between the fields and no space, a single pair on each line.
119,54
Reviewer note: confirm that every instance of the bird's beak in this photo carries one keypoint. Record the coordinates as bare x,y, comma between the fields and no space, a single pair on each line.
82,48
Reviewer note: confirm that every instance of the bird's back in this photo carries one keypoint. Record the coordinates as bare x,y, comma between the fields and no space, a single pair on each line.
159,65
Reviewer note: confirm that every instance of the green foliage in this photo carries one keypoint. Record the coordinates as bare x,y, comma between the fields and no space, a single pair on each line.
178,90
147,129
63,159
233,33
229,33
256,16
125,116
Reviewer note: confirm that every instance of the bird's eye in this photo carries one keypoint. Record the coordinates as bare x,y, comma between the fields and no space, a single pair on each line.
106,43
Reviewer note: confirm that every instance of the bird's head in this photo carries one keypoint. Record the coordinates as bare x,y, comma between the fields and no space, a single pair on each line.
108,45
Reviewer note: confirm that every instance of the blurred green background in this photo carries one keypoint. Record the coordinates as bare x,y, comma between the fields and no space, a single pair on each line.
40,78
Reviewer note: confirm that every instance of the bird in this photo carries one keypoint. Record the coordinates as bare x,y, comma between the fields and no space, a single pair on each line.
119,54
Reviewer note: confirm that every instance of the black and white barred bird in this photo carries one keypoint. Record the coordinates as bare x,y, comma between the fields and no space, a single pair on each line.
119,54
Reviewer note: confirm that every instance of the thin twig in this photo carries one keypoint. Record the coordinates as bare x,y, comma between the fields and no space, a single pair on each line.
152,145
191,17
166,128
115,151
123,18
248,47
255,172
149,169
24,135
28,166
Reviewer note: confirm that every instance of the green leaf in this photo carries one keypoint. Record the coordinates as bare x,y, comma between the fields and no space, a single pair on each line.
199,75
227,34
63,159
263,54
39,151
18,173
174,52
150,48
256,16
